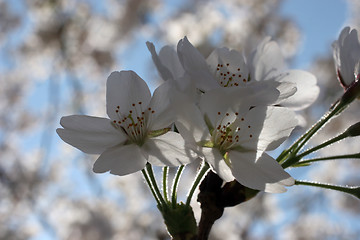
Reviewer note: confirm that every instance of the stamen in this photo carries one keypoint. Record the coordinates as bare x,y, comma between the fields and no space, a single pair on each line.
134,123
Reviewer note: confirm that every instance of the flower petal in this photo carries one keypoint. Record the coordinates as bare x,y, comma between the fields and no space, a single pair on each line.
236,99
307,90
265,128
162,69
266,61
346,52
168,150
278,125
120,160
163,115
91,135
263,174
195,65
229,67
171,60
286,89
189,120
218,164
124,89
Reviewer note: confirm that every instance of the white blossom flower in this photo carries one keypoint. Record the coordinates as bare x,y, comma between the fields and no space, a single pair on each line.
232,128
229,68
166,62
346,52
137,132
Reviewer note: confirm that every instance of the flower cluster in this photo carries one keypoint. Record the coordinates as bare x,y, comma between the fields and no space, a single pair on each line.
227,109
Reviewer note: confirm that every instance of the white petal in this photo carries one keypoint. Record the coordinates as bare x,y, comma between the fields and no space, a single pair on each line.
346,52
236,99
162,69
163,114
307,90
90,134
267,60
168,150
121,160
265,128
189,120
195,65
262,174
286,89
218,164
278,125
230,62
349,55
171,60
124,89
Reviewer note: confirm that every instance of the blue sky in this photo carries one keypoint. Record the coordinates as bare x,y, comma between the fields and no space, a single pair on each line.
320,22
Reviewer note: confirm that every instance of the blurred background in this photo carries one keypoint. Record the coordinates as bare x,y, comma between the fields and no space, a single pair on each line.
55,56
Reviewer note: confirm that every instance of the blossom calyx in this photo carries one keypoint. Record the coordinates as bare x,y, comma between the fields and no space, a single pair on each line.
353,130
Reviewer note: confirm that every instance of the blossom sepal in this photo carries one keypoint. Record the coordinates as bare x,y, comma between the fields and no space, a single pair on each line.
157,133
180,221
351,93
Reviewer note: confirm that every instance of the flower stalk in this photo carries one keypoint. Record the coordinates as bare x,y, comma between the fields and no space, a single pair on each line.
147,179
178,217
175,185
165,182
352,190
289,157
154,184
204,168
309,161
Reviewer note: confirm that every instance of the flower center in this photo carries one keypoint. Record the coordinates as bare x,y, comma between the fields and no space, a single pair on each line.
228,131
231,76
134,122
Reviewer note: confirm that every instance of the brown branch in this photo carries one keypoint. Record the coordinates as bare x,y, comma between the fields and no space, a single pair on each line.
214,198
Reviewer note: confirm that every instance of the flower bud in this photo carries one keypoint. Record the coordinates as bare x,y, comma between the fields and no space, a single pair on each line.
351,93
354,130
346,52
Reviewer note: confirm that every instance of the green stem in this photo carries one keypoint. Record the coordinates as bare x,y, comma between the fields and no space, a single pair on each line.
353,190
165,181
356,155
283,155
298,145
327,143
150,186
204,168
316,127
153,181
175,185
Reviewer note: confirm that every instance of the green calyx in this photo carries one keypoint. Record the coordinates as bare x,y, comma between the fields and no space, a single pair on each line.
206,143
157,133
351,93
180,221
353,130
